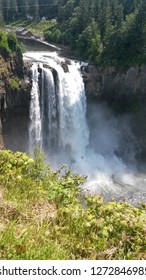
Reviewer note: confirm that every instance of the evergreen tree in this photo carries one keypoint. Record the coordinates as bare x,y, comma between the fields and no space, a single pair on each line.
139,31
105,21
1,19
13,10
22,8
33,8
114,30
43,8
49,9
5,9
1,14
118,15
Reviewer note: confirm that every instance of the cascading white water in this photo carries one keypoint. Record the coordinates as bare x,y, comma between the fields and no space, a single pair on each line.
74,132
58,124
49,109
35,138
62,110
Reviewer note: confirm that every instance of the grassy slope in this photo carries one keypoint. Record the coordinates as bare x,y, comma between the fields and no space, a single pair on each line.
43,215
37,27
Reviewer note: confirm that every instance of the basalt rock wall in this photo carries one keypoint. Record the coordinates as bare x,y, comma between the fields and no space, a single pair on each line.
124,90
14,103
119,87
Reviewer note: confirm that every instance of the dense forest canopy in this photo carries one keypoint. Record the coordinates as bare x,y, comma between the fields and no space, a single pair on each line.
104,31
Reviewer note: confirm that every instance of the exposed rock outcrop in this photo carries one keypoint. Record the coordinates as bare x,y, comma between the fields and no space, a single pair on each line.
65,67
125,92
14,102
121,88
1,137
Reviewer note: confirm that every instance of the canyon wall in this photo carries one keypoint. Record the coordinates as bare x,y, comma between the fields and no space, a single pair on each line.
119,87
124,90
14,103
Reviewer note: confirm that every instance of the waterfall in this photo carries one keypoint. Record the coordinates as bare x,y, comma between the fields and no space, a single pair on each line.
49,113
35,128
58,109
74,134
58,125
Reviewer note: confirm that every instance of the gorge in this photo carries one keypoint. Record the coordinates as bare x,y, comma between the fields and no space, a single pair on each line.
67,116
73,131
88,137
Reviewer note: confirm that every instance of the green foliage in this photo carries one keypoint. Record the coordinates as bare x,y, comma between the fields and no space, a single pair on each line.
1,18
12,42
126,45
102,32
9,9
33,8
37,27
53,33
14,83
89,42
44,215
4,48
8,45
107,32
10,50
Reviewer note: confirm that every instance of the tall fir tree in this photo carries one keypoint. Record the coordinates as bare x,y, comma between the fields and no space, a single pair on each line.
13,9
5,9
1,14
33,8
22,8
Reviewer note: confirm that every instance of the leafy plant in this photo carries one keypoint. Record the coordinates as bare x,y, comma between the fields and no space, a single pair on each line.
14,83
12,42
4,48
45,215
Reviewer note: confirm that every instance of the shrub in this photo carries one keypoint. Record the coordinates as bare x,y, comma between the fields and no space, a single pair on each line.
14,83
12,42
44,215
53,33
4,48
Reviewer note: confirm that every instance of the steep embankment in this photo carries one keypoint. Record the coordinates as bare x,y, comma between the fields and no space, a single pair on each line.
124,89
121,88
14,97
45,216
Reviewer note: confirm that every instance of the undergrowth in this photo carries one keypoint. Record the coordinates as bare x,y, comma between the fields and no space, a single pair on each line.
14,83
37,27
44,215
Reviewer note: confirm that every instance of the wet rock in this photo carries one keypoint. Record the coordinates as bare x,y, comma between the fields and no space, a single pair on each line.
115,85
15,87
65,67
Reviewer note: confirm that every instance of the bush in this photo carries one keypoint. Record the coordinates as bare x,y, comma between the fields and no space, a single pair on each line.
44,215
53,34
14,83
12,42
4,48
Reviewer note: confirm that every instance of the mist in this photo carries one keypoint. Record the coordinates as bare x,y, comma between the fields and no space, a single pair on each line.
90,138
109,159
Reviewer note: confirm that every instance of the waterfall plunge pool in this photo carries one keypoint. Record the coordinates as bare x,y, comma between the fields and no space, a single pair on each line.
59,125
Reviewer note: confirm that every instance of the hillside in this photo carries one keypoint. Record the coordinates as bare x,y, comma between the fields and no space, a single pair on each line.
107,32
14,87
44,215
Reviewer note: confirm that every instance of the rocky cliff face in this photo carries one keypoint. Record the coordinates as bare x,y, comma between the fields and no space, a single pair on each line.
14,103
121,88
125,92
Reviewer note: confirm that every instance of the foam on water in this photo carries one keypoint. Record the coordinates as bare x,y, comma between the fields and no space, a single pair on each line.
59,124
